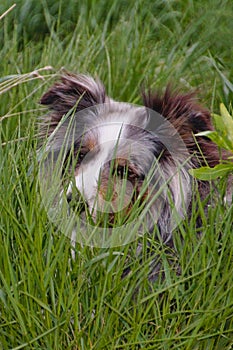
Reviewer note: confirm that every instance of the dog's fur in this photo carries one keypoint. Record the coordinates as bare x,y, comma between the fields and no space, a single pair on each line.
109,139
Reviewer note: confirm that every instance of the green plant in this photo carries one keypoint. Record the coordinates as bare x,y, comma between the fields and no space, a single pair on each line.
51,298
223,137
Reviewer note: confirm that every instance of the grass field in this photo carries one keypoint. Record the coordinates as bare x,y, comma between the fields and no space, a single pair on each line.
49,300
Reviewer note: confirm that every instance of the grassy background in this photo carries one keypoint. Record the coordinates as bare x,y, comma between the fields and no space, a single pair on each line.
49,301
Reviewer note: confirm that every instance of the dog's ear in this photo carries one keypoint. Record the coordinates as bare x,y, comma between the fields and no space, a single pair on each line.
79,91
189,118
182,110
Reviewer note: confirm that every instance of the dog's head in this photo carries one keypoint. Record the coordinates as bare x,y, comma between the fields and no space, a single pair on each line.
117,159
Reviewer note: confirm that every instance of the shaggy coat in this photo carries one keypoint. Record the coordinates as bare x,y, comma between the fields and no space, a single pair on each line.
110,139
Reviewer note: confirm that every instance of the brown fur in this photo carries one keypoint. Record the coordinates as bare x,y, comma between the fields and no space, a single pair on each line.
189,118
69,93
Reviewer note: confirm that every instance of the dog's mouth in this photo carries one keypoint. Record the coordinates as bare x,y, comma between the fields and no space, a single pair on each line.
115,209
121,195
101,213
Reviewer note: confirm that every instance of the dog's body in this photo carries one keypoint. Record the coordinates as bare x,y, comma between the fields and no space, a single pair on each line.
111,140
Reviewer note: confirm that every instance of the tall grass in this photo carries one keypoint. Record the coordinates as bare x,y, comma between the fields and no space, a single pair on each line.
48,298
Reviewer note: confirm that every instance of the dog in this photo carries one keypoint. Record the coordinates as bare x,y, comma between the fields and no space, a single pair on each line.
119,161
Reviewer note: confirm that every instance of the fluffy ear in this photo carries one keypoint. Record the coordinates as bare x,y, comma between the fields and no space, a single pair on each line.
180,109
80,91
189,118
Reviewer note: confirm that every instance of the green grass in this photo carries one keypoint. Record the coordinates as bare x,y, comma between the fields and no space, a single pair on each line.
49,300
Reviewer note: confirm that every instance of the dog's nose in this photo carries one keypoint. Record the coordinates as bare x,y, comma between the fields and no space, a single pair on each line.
69,198
76,202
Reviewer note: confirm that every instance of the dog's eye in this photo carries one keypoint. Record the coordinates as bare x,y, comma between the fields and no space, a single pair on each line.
124,172
121,171
81,154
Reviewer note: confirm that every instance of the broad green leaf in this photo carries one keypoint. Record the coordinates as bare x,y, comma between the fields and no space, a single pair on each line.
208,174
218,124
228,122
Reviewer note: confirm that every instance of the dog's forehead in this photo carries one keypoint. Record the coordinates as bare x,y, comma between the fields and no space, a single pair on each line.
116,136
115,130
111,132
114,141
109,139
112,114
